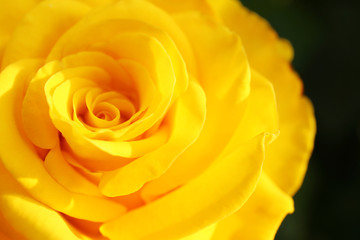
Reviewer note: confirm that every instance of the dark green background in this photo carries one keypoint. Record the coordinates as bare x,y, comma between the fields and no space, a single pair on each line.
325,36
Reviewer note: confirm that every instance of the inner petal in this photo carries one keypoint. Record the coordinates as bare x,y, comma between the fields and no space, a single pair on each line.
98,109
119,101
103,115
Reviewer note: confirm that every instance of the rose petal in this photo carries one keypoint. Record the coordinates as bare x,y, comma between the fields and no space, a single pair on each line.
35,115
189,110
220,56
287,159
129,16
145,12
16,152
11,13
203,234
149,52
7,231
41,28
225,76
260,114
97,3
85,230
256,220
259,111
35,110
119,79
271,56
67,176
5,237
198,204
85,143
183,6
30,218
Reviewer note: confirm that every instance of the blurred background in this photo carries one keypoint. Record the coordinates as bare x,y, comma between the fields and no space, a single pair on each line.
325,36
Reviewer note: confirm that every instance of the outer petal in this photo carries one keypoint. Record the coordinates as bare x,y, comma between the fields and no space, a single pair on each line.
97,3
287,158
174,7
203,234
35,116
10,14
67,176
41,28
220,56
29,217
271,56
4,237
256,220
198,204
7,231
260,114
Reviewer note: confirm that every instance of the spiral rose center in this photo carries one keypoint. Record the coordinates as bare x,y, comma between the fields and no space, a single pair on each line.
107,112
105,115
104,109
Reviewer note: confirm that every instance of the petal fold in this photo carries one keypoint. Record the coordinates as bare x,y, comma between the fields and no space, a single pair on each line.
29,217
260,217
23,163
203,201
188,110
287,158
271,56
227,121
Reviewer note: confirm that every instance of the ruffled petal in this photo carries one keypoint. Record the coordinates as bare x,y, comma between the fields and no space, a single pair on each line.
287,158
260,114
271,56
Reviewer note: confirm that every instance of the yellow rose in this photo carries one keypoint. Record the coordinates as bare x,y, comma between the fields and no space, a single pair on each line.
147,119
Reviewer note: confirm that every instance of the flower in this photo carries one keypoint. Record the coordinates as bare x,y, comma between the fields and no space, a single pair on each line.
147,119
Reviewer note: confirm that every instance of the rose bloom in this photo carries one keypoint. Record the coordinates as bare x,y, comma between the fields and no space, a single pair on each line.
147,119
